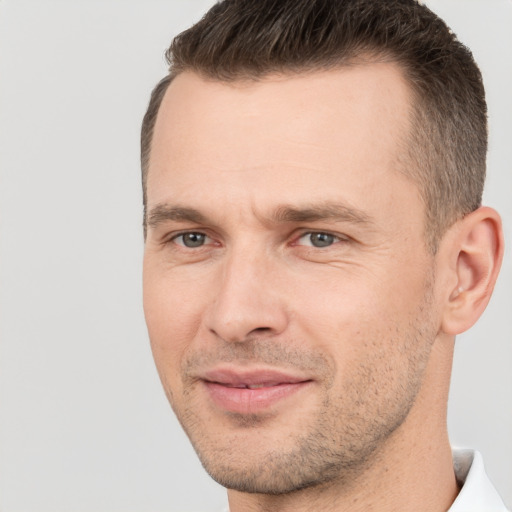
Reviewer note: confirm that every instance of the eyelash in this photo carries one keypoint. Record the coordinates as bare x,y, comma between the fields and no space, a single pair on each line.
181,235
331,236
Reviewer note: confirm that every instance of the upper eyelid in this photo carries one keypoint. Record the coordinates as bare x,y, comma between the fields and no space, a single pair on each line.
340,236
293,237
173,230
174,236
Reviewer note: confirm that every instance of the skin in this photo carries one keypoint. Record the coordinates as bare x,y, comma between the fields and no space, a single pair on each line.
254,172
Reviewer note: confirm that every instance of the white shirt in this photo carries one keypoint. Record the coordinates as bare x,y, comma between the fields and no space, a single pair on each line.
477,493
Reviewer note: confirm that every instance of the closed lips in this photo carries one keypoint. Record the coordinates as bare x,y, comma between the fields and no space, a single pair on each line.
250,380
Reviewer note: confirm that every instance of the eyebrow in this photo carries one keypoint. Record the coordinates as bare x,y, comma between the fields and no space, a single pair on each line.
326,211
283,214
163,212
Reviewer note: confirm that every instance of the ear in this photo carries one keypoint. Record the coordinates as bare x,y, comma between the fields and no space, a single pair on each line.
475,253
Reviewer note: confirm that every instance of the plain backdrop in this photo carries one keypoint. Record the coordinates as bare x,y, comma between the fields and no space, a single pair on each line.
84,425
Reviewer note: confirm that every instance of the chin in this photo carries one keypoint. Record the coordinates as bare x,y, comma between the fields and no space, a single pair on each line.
246,463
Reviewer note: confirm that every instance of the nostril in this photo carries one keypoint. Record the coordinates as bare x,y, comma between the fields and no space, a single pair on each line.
245,337
261,330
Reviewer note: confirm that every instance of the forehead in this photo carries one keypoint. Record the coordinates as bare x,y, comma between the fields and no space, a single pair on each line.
315,133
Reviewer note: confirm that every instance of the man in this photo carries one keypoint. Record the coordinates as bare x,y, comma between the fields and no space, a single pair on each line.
315,240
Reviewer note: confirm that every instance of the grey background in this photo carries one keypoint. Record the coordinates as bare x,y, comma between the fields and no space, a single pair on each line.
84,425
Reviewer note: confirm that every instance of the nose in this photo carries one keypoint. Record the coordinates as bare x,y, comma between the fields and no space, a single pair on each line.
249,301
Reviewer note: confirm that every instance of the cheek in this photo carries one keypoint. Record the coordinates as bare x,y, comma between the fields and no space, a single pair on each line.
173,312
378,353
351,314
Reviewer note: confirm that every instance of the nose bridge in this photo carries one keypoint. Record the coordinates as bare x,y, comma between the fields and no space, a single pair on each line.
247,299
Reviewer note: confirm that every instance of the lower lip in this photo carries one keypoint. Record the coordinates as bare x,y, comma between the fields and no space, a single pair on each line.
251,401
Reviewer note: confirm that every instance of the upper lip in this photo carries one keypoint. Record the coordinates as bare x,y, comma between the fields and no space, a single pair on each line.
251,377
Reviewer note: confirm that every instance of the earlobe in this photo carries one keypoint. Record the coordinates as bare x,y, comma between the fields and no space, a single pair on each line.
476,255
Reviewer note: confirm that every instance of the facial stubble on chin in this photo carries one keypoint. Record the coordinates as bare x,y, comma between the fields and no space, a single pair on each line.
337,443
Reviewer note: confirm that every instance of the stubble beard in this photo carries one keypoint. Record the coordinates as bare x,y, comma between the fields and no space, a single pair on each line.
336,443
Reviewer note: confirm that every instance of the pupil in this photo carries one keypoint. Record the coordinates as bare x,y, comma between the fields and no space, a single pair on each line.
193,239
321,239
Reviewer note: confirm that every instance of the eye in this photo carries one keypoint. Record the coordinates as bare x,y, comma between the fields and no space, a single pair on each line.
191,239
318,239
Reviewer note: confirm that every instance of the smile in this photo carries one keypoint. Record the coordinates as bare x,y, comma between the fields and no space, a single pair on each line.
252,392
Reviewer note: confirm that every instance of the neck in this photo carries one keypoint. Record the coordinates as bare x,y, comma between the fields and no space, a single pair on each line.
412,470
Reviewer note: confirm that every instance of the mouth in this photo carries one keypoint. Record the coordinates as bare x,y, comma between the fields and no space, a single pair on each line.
251,392
247,386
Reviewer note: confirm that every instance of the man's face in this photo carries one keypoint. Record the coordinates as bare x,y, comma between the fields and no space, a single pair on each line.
287,287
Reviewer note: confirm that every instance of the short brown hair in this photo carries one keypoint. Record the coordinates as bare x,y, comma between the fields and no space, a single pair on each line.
250,39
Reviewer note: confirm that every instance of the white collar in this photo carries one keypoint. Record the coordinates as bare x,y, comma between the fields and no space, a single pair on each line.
477,493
